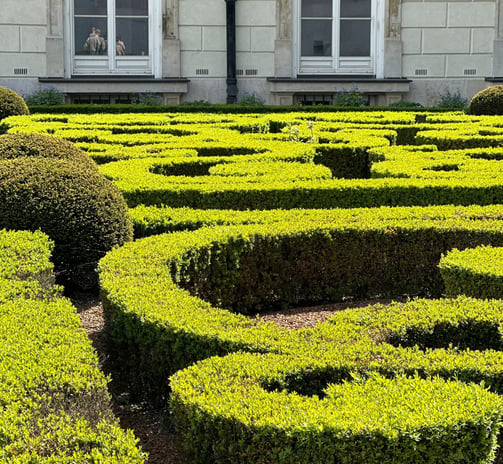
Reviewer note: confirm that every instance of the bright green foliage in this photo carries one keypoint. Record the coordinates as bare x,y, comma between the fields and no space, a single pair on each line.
229,403
312,395
278,264
11,104
54,404
475,272
25,268
160,328
487,101
176,160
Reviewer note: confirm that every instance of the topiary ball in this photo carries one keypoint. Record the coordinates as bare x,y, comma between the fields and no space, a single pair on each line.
11,104
488,101
81,211
18,145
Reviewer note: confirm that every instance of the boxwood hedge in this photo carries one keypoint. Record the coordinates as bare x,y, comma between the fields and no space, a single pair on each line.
54,403
475,272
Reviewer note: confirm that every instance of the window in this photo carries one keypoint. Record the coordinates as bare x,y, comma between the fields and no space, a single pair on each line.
337,36
112,36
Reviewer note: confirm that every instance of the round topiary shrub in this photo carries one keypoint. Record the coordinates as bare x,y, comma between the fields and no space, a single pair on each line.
11,104
81,211
19,145
488,101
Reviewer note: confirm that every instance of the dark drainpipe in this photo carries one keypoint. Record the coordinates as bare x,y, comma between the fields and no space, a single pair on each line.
232,87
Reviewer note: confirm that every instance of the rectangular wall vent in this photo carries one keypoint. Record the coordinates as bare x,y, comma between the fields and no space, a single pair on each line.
470,72
240,72
251,72
21,71
202,72
421,72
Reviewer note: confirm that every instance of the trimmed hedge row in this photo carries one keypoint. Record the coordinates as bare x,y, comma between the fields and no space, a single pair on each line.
225,413
160,328
153,220
25,268
475,272
141,183
54,404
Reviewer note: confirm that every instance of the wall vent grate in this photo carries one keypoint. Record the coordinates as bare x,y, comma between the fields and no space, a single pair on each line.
20,71
251,72
470,72
421,72
202,72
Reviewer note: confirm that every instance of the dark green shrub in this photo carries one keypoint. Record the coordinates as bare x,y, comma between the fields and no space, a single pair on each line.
11,104
487,101
405,104
82,212
351,98
452,100
20,145
250,99
45,97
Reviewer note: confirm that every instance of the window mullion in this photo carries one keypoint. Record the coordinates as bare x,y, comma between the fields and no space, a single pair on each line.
111,35
336,24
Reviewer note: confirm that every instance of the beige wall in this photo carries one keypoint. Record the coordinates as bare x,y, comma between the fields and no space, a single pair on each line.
447,45
23,32
438,44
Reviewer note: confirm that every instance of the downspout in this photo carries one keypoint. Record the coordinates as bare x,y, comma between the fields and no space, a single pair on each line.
232,87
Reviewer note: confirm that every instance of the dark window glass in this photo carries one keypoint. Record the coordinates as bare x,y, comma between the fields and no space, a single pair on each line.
131,7
91,36
316,37
133,33
316,8
356,8
90,7
355,37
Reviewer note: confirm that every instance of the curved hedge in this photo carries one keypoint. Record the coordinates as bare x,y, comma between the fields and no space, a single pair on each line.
475,272
160,328
160,324
225,412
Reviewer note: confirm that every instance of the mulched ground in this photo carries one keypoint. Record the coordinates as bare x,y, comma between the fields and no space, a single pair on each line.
148,425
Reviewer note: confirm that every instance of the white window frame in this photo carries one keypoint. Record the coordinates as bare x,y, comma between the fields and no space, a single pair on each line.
111,64
335,64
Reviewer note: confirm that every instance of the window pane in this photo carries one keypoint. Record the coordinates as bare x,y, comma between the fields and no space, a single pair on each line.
316,37
316,8
90,7
90,36
133,33
131,7
356,8
355,37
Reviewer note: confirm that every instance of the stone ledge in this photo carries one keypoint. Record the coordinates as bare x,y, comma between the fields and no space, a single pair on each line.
381,91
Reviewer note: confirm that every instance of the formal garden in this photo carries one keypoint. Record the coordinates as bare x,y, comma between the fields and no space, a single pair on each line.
193,223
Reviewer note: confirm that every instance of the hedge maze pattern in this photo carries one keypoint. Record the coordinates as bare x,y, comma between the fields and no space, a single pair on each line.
244,213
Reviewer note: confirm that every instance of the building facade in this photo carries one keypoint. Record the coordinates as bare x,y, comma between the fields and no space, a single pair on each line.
285,52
